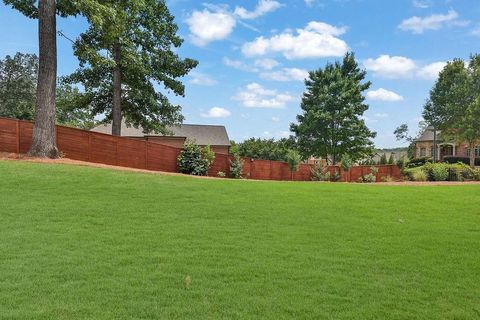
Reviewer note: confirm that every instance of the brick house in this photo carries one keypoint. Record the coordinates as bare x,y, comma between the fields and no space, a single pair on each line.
424,146
214,136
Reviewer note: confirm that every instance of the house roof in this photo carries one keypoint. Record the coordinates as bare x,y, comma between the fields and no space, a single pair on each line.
213,135
427,135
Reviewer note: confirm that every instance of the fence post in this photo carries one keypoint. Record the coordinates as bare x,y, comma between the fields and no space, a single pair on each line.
18,136
116,150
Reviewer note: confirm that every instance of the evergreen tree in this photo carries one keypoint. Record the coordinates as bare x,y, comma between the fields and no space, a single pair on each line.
331,123
122,59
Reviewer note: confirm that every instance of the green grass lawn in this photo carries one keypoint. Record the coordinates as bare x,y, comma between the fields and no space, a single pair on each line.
89,243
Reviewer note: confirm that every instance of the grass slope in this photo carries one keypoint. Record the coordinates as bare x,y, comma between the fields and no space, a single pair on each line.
88,243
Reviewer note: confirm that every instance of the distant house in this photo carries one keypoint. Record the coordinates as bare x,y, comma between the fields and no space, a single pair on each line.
212,135
424,146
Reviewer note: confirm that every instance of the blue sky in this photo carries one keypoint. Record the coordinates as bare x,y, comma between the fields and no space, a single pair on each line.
254,54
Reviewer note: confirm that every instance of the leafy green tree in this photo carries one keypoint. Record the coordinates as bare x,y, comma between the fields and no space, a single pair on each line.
454,104
391,160
266,149
18,83
74,108
44,133
383,159
122,60
293,159
331,123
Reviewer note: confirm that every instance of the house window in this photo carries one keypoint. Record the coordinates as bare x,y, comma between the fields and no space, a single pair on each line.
423,152
477,152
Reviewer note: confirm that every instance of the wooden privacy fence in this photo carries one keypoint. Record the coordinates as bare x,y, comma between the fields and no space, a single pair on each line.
77,144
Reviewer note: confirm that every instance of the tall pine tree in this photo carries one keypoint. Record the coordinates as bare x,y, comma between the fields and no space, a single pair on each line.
332,123
123,60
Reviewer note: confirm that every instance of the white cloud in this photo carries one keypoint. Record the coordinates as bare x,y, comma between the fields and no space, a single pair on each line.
275,119
422,4
217,112
391,67
383,95
284,134
309,3
263,7
239,65
396,67
381,115
200,79
316,40
431,71
266,64
256,96
418,25
475,32
206,26
286,74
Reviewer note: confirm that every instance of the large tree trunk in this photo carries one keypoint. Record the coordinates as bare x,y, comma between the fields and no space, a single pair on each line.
472,154
44,131
117,93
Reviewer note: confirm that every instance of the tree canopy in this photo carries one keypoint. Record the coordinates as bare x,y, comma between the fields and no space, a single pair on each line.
18,85
123,60
331,123
266,149
454,104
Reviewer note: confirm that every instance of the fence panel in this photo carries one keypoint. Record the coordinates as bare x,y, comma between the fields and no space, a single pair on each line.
9,135
103,149
260,170
73,143
161,157
220,164
26,131
131,153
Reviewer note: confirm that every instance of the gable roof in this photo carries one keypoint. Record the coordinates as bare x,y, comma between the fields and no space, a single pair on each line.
427,135
213,135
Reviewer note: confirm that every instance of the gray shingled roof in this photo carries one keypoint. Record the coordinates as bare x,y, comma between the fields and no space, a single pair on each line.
427,135
203,134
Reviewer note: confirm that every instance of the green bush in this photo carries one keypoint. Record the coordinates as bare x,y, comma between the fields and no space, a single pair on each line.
418,162
419,175
195,160
476,174
293,159
371,177
236,167
439,172
320,172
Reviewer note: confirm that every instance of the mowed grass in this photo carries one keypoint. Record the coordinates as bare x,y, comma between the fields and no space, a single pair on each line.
90,243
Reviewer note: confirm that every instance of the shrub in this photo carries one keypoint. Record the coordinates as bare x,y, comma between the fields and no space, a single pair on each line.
195,160
221,174
418,162
293,159
439,172
347,162
419,175
387,179
336,176
320,173
465,160
236,167
371,177
476,174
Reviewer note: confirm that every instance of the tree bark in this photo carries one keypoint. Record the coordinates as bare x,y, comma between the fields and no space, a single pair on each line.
472,154
44,132
117,93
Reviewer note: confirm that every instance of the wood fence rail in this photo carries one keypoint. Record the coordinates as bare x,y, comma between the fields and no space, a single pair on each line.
77,144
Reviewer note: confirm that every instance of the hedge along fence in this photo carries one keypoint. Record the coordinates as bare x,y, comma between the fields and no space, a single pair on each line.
77,144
